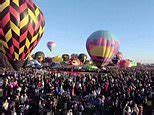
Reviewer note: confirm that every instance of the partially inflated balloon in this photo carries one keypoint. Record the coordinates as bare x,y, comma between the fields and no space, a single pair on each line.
21,27
133,64
39,56
102,46
57,59
74,56
51,46
91,67
65,57
82,57
89,62
74,62
124,64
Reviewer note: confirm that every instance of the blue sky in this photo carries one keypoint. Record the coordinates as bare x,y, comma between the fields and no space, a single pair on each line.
70,22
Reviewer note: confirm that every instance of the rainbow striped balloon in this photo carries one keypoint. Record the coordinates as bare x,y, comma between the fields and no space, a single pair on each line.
102,46
21,27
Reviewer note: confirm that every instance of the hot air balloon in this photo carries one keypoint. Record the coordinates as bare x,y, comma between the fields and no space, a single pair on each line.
75,62
133,64
82,57
39,56
124,63
65,57
117,58
102,46
57,59
51,46
89,62
74,56
21,27
91,67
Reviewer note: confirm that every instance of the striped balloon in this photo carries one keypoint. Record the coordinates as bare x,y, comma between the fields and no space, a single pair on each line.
21,27
102,46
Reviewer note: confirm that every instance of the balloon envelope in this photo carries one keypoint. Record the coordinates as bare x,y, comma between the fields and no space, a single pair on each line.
57,59
21,27
133,64
74,56
124,64
75,62
65,57
102,46
39,56
51,45
55,65
90,67
82,57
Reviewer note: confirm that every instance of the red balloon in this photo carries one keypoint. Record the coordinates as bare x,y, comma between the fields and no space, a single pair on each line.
124,64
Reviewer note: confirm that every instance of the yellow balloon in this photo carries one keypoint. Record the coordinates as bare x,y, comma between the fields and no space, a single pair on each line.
57,59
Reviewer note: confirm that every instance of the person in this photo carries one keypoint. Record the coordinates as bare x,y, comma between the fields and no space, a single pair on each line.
70,112
140,109
5,106
104,94
135,110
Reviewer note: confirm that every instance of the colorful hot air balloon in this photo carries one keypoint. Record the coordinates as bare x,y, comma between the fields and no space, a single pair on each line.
124,64
89,62
21,27
91,67
74,56
65,57
39,56
51,46
74,62
102,46
133,64
82,57
57,59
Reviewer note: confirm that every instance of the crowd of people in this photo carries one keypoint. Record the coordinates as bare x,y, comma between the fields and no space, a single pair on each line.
112,91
